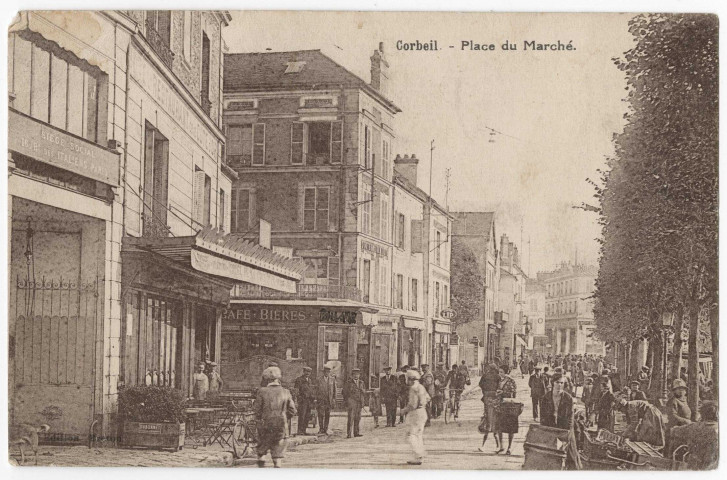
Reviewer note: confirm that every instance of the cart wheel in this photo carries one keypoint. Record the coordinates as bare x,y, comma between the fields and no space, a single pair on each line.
447,413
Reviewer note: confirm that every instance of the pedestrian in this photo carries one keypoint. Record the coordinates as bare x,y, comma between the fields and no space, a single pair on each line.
403,392
416,416
306,397
701,439
531,366
523,368
587,396
677,408
489,384
274,407
440,381
645,423
427,380
354,393
325,399
537,390
604,407
375,399
200,383
390,396
508,412
636,392
557,412
547,376
215,381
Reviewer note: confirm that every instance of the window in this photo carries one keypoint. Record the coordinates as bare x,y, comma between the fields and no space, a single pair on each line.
202,197
400,230
366,279
385,160
315,209
384,283
205,100
366,211
156,182
367,147
437,248
55,88
437,305
445,299
316,270
240,210
316,143
294,67
384,220
414,294
187,33
246,144
399,291
258,149
221,220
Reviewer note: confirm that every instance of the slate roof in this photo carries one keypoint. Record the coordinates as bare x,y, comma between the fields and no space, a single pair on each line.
262,71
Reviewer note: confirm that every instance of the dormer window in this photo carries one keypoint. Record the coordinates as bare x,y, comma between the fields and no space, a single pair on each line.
294,67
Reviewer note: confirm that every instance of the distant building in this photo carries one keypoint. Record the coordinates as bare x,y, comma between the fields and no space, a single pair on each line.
534,315
569,321
511,297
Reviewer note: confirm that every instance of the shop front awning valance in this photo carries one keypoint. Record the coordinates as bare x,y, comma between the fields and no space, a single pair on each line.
224,255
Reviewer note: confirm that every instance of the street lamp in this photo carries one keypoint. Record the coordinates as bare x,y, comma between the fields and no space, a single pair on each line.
667,321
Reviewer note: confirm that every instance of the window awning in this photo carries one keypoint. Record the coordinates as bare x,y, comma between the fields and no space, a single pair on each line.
225,255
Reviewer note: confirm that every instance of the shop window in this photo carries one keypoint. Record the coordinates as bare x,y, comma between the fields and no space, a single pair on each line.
316,209
156,182
240,210
316,143
53,86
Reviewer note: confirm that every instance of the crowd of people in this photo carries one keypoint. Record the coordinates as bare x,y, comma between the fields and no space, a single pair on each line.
596,385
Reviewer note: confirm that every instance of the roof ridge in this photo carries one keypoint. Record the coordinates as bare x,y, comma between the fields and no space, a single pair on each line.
273,53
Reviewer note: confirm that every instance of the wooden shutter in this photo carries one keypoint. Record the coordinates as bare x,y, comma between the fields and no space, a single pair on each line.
296,143
258,147
376,216
322,208
336,141
198,196
161,175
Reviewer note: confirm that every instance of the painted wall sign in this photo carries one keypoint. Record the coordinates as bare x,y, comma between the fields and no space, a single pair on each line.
208,263
50,145
375,249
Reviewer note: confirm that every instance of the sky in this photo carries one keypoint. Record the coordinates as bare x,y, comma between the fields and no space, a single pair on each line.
554,112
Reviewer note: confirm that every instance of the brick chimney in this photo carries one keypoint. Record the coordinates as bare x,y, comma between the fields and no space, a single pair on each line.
380,71
407,167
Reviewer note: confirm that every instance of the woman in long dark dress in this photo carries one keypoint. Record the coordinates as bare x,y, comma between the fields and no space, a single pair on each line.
507,413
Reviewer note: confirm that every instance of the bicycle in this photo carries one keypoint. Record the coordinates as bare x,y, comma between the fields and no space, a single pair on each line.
451,409
244,434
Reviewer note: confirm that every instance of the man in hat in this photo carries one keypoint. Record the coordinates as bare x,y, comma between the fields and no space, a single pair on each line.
636,392
427,380
537,390
643,376
200,383
700,437
416,416
390,396
325,398
677,408
306,397
604,407
354,392
273,407
403,390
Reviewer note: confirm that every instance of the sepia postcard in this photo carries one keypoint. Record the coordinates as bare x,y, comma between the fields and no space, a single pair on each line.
370,240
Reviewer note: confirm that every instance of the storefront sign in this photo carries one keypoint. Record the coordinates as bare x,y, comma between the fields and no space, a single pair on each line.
264,314
168,99
346,317
448,313
50,145
207,263
375,249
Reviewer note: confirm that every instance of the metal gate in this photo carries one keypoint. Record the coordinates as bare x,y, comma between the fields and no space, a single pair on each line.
53,352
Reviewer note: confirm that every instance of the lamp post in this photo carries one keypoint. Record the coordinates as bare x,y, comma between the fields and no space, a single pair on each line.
667,320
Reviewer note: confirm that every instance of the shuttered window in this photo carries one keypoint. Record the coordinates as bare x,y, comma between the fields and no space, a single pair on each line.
156,181
316,208
240,210
336,142
296,143
258,149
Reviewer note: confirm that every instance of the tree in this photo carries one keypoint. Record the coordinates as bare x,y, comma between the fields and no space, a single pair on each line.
659,197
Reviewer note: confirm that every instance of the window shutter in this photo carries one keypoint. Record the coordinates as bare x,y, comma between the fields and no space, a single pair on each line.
416,236
376,216
258,149
233,210
309,209
333,273
322,199
336,142
198,196
296,143
376,152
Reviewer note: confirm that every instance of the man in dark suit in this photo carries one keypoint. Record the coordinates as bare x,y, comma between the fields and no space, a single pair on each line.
390,396
306,397
537,390
325,398
557,406
354,392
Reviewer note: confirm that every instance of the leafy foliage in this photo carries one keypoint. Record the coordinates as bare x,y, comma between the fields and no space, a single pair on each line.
468,285
151,404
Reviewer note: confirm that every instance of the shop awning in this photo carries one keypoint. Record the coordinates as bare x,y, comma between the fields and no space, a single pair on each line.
224,255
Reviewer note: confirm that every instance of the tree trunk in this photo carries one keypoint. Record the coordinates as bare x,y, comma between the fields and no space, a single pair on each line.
714,330
676,360
656,345
693,367
636,360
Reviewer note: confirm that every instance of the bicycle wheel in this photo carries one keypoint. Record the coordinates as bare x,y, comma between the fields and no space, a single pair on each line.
447,412
240,440
455,411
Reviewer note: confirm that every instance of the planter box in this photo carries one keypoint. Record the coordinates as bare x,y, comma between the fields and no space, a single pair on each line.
153,435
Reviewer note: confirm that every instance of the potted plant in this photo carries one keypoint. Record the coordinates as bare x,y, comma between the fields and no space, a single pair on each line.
152,417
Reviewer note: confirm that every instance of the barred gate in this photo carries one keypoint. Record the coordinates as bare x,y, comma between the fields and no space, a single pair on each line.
52,344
